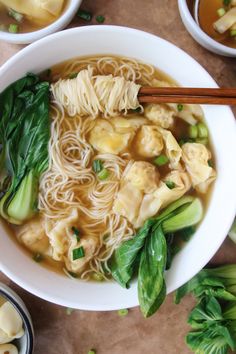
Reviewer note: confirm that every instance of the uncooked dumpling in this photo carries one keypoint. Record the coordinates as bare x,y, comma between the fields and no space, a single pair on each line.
149,141
196,157
143,175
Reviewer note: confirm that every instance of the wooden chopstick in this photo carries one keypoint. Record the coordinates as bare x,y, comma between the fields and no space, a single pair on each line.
221,96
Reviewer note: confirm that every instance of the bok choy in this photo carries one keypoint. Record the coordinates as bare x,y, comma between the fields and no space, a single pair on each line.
146,253
24,136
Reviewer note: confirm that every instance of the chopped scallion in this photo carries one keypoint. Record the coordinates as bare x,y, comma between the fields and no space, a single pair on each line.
180,107
170,184
85,15
97,166
161,160
38,257
78,253
100,19
233,32
98,277
73,75
123,312
193,131
92,351
16,15
202,130
221,12
104,174
13,28
203,141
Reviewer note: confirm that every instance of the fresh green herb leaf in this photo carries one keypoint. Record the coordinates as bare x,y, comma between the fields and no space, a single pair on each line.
15,15
85,15
13,28
38,257
97,166
123,312
100,19
161,160
170,184
103,174
180,107
78,253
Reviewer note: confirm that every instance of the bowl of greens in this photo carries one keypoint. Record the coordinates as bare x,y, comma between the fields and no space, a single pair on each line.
124,240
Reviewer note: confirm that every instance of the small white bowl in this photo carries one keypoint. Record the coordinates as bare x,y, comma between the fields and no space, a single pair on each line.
59,24
199,35
25,344
114,40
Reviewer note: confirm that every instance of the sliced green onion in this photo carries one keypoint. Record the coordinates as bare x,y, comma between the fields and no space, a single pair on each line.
98,277
170,184
104,174
13,28
92,351
85,15
78,253
221,12
123,312
97,166
193,131
69,311
202,130
233,32
203,141
16,15
73,75
161,160
180,107
38,257
186,233
100,19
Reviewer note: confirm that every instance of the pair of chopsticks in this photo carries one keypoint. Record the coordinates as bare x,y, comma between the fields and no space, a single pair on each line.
220,96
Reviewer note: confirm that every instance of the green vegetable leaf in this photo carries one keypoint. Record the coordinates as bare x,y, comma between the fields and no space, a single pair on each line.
205,313
151,283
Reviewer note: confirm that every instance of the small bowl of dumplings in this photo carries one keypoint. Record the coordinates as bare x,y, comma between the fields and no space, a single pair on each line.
26,21
16,329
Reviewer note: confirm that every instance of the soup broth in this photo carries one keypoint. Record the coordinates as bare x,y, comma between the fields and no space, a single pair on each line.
77,204
21,23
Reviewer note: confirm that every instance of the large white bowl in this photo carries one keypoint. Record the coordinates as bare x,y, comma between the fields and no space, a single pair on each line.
220,213
59,24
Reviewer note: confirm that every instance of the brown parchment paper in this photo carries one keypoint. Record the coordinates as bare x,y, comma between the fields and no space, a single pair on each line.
59,333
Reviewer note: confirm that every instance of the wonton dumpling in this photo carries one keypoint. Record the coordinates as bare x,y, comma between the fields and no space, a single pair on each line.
128,201
104,138
11,323
163,195
58,236
159,114
143,175
89,245
172,149
32,234
42,11
196,157
148,141
8,349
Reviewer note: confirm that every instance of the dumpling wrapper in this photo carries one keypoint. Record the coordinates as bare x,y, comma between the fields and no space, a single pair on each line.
149,141
8,348
172,149
58,235
128,201
10,321
196,157
163,196
42,11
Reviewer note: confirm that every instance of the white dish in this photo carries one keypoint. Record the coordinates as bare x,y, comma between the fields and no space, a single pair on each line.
59,24
221,211
199,35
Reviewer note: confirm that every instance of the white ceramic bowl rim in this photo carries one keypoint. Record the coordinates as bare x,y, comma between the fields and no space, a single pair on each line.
53,27
128,42
184,9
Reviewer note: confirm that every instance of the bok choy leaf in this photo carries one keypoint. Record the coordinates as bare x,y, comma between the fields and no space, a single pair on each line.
24,136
